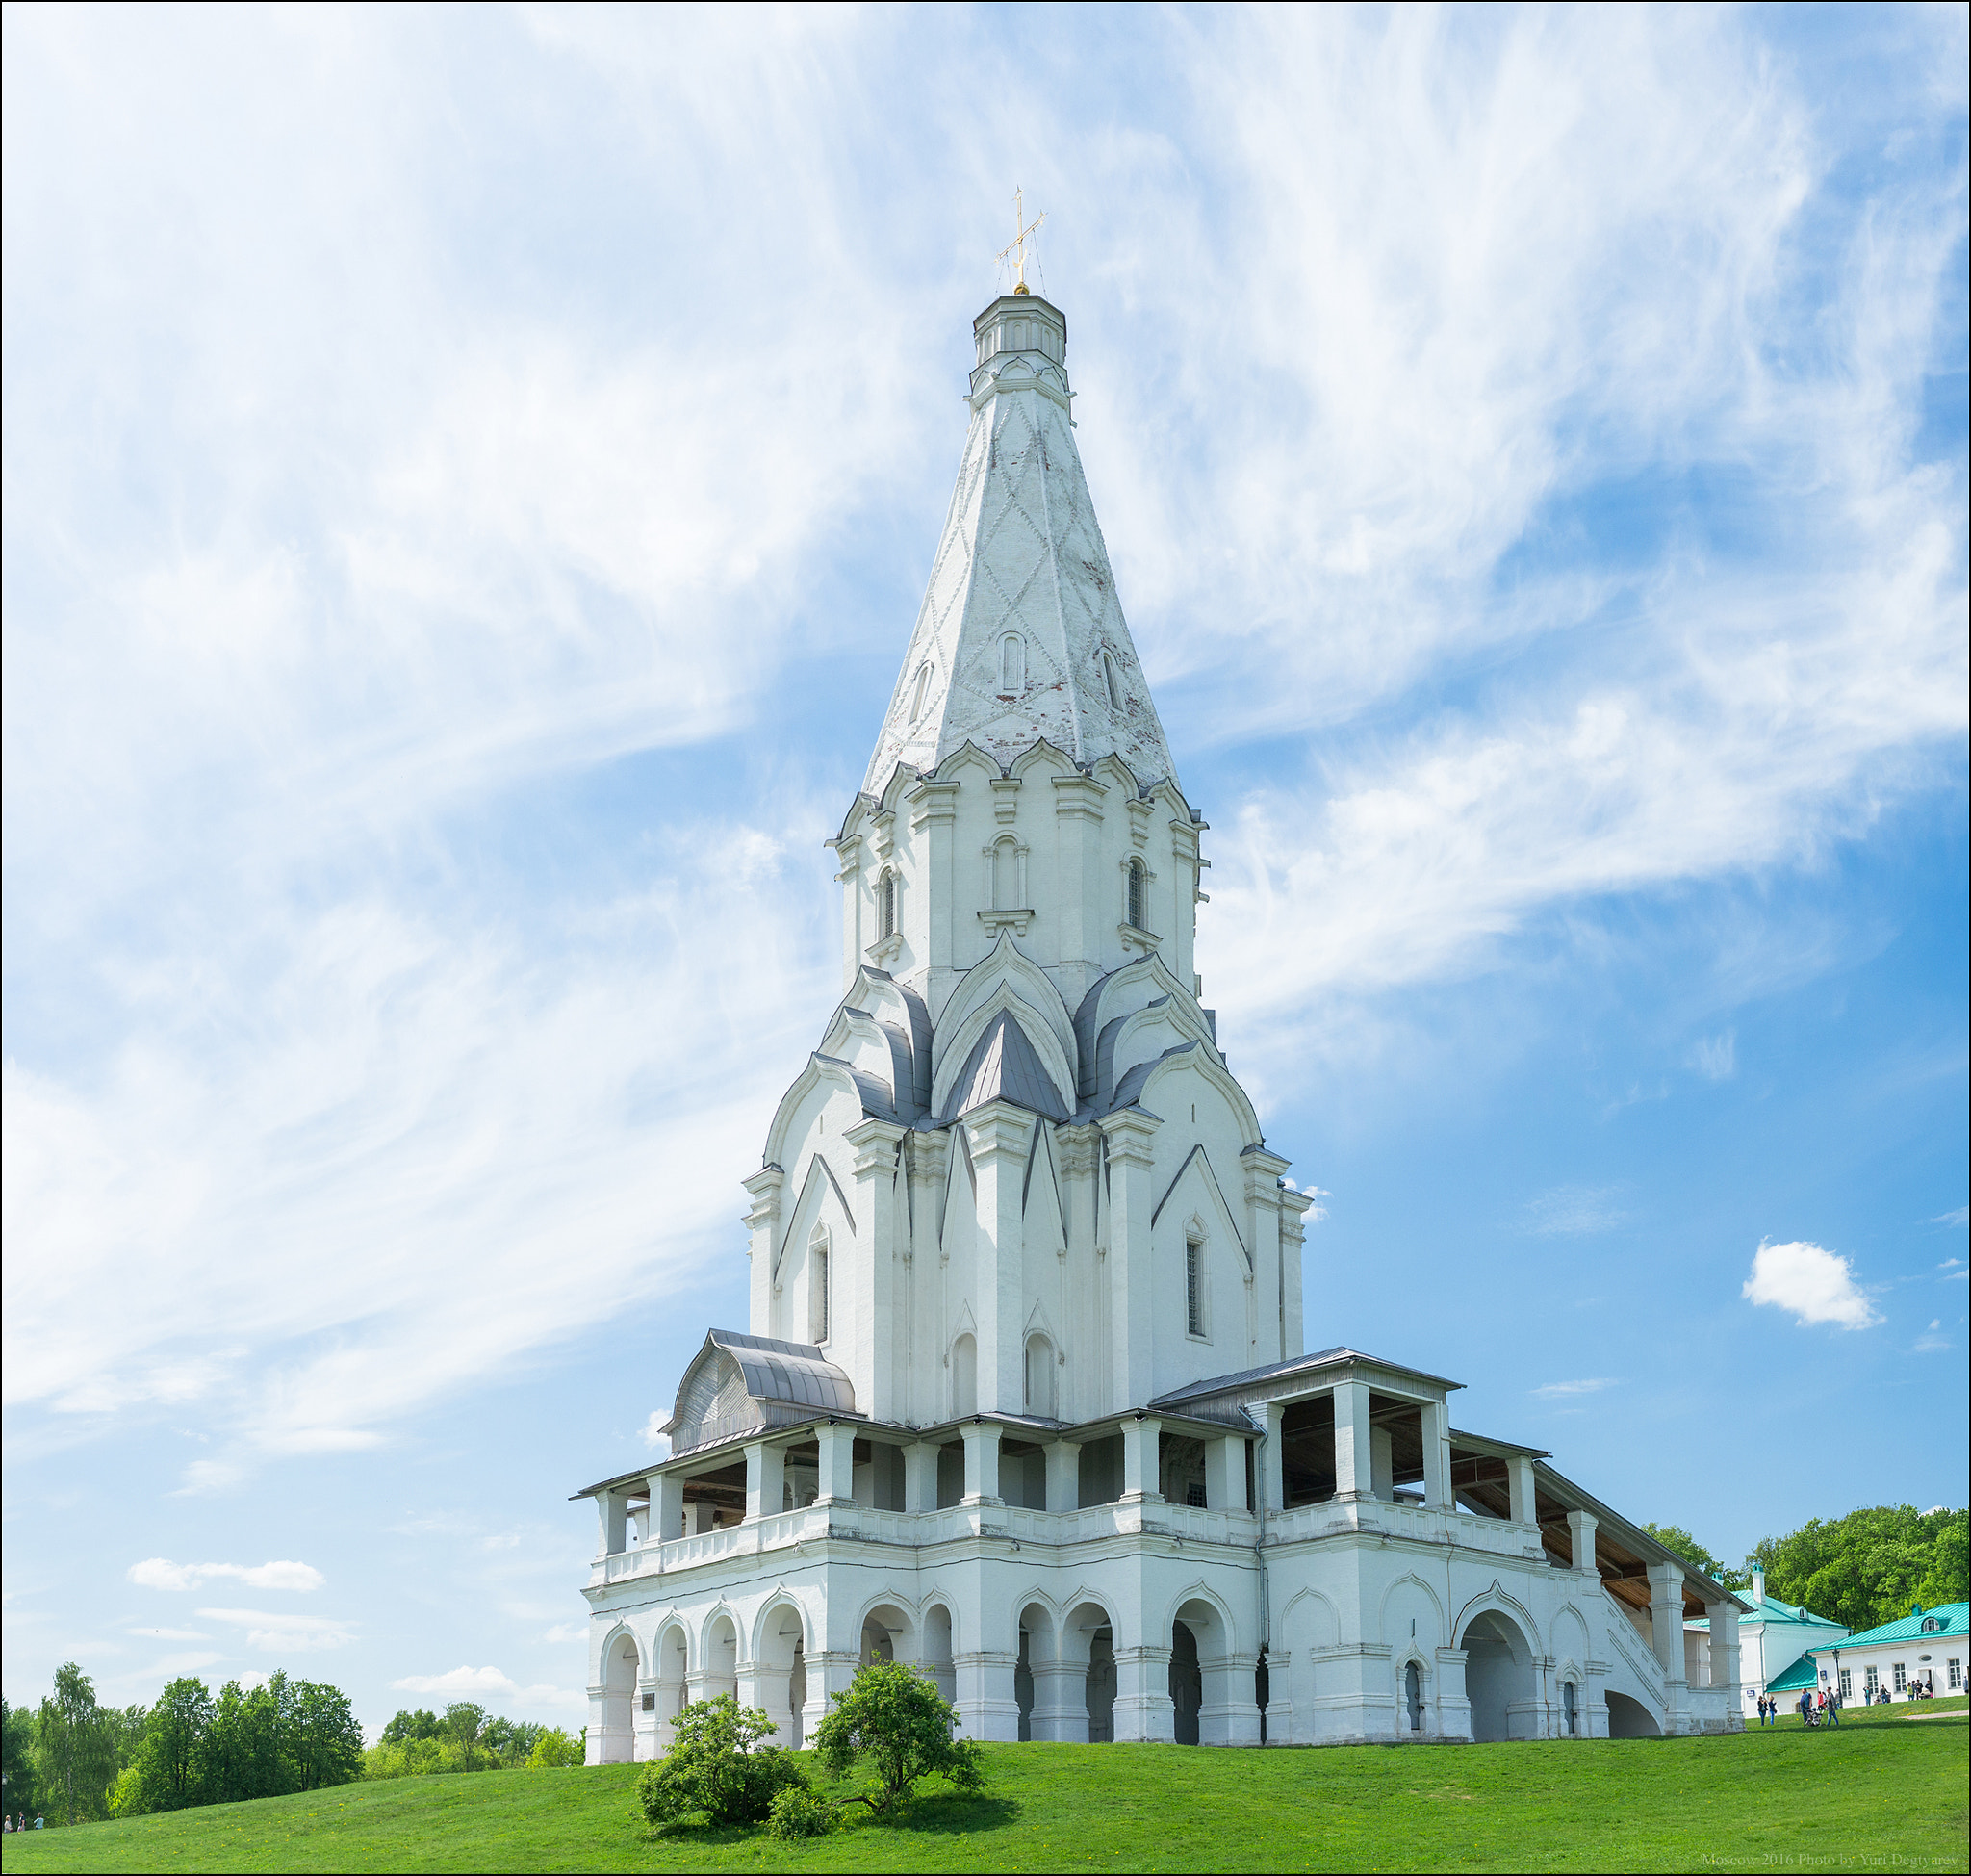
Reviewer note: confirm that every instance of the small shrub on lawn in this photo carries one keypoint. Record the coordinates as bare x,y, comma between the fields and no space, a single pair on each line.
797,1811
896,1720
717,1768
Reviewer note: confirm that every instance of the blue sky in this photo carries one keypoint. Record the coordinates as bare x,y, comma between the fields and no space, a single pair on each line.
469,476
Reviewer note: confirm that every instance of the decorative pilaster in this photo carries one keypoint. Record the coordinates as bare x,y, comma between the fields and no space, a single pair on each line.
765,1479
998,1134
1354,1458
1065,1485
762,1239
868,1284
1131,1135
1143,1710
1519,1472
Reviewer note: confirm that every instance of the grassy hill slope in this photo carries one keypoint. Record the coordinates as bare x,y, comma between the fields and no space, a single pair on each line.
1885,1784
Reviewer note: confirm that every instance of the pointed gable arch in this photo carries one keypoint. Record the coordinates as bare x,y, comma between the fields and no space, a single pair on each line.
1142,1036
1029,992
1196,1178
821,1072
1138,1085
818,1185
1117,993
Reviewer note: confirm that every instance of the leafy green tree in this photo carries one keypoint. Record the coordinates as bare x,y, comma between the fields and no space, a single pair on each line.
421,1724
168,1766
465,1721
16,1759
717,1768
1867,1568
1948,1580
1674,1537
896,1720
75,1748
509,1743
324,1742
556,1750
244,1745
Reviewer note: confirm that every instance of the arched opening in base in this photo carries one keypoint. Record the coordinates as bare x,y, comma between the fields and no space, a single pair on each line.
1499,1677
1187,1683
1630,1719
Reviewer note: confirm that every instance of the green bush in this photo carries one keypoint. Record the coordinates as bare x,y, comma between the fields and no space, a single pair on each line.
717,1768
555,1750
897,1720
797,1811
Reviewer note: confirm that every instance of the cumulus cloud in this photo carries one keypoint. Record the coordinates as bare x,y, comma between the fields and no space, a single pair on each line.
1568,1390
1811,1284
653,1435
161,1573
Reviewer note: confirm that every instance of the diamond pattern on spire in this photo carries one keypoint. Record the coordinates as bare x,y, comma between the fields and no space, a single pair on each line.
1021,551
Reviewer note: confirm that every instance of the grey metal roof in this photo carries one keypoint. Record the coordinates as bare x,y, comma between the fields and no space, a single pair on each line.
1272,1371
1004,1066
795,1371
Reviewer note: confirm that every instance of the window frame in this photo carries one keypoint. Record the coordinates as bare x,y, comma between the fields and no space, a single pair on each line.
1197,1315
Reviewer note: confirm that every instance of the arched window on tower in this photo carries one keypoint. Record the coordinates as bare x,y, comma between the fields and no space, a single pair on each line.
918,689
886,905
1109,680
1006,874
1139,879
1193,1285
964,1376
1013,664
1041,1376
817,1285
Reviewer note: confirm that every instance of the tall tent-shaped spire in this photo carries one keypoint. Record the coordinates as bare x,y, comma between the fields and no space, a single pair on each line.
1020,635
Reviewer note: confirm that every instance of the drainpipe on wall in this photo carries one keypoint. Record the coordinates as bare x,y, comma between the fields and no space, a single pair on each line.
1259,1550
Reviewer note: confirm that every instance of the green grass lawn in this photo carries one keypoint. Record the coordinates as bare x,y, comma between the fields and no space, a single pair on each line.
1888,1784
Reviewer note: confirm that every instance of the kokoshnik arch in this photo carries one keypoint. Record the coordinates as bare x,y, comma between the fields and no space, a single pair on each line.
1022,1398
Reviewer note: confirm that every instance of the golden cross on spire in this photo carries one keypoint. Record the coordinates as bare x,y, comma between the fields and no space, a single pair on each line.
1017,247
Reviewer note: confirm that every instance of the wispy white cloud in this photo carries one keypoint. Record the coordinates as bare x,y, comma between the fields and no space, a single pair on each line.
1811,1284
284,1632
1961,1216
1932,1340
1575,1211
1714,1057
402,533
161,1573
484,1682
1568,1390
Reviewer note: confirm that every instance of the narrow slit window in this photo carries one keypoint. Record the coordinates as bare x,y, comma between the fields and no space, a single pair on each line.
1135,906
1115,690
886,906
1193,1286
1013,664
818,1297
917,691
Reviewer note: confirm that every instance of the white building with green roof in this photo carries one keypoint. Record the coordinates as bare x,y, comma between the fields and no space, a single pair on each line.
1924,1649
1776,1643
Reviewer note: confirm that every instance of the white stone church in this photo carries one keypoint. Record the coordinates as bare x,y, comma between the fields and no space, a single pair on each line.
1023,1396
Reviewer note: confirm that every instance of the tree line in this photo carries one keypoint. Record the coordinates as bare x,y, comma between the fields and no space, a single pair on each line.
74,1760
465,1738
1871,1567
